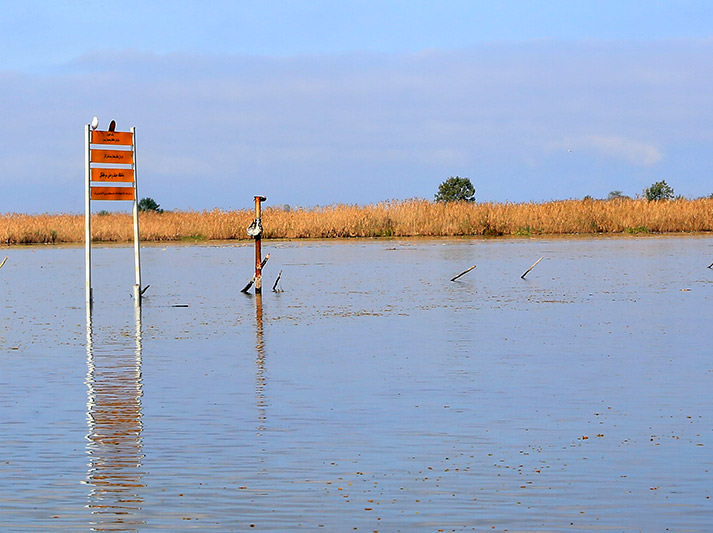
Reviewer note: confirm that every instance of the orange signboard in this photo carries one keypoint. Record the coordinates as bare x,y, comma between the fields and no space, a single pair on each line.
112,137
112,193
125,157
113,174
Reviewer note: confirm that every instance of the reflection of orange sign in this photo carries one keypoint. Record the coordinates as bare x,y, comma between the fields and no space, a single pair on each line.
113,174
112,137
112,193
125,157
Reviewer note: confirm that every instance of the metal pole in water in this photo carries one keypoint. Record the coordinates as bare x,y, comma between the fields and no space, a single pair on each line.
87,221
137,259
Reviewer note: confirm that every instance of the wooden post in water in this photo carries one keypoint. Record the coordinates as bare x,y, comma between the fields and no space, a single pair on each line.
257,233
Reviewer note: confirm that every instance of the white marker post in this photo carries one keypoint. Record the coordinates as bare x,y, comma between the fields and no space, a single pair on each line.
137,259
105,164
87,219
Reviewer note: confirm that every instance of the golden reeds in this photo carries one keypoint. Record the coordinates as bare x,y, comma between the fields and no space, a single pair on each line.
389,219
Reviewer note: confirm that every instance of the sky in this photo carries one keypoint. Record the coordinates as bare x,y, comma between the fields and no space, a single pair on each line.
357,102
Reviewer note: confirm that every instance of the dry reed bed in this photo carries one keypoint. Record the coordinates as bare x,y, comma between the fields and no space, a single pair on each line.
397,219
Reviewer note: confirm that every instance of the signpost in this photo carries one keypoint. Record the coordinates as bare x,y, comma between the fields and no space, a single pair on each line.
110,156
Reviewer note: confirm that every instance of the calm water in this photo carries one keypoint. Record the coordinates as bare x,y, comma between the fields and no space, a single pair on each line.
372,394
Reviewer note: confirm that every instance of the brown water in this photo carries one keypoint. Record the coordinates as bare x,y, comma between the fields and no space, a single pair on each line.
372,394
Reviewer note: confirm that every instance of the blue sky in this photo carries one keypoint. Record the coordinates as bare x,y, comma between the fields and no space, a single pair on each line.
315,103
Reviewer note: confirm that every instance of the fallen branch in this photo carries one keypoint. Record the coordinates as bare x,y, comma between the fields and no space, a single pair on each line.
533,266
252,280
464,272
248,285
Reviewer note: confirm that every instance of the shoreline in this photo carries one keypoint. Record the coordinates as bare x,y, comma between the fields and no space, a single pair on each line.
247,242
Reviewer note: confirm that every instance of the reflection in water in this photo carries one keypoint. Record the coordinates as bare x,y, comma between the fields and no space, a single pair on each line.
114,447
260,374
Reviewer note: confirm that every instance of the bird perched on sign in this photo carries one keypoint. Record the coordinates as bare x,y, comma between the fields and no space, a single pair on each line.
112,125
95,122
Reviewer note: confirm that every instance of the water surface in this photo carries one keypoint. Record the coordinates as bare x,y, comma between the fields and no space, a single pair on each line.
371,394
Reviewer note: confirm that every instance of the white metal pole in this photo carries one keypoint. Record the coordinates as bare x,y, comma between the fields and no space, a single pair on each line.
87,219
137,259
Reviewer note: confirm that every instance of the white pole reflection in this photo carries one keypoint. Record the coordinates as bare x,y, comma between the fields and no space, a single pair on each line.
114,446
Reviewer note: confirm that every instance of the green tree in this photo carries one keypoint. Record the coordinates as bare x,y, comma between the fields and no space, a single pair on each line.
149,204
456,189
659,191
617,195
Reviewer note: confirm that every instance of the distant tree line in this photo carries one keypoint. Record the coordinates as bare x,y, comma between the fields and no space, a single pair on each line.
459,189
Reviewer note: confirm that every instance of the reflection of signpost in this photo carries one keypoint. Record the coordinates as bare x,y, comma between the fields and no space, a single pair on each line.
110,156
114,442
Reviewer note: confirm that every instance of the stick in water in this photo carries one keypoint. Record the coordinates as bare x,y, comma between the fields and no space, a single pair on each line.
252,280
533,266
464,272
274,287
3,262
248,285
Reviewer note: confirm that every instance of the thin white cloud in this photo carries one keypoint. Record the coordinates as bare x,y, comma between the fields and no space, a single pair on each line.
630,150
